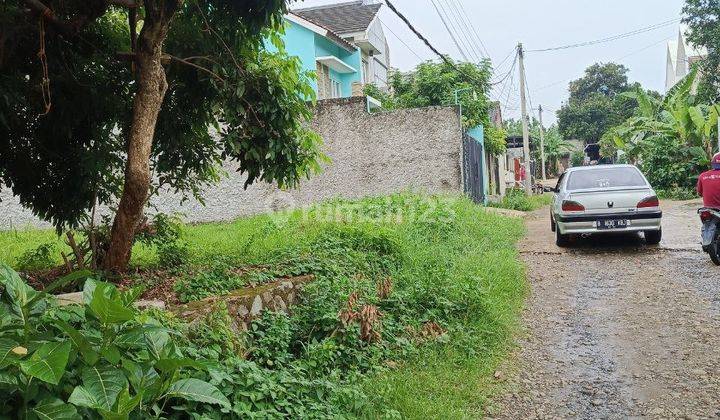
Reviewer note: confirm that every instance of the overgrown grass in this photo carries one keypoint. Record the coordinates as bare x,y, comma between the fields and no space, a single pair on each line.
677,193
457,286
515,199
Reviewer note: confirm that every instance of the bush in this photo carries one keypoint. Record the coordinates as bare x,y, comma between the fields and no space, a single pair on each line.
516,199
166,234
396,278
39,258
102,359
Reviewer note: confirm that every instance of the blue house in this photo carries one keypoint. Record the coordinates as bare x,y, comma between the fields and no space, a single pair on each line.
337,62
343,43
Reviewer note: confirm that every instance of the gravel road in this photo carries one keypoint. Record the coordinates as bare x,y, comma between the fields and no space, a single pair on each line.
615,329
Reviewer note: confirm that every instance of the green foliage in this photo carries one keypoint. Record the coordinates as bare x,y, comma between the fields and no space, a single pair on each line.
701,17
217,280
577,158
671,138
36,259
678,193
166,234
449,263
238,101
555,146
101,359
595,104
438,83
516,199
455,286
270,337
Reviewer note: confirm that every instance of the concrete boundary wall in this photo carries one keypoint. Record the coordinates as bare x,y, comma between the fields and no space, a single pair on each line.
372,154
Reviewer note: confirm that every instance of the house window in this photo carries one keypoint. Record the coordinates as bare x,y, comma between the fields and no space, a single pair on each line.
335,89
323,81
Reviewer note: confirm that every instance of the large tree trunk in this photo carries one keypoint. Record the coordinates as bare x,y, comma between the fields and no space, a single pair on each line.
151,88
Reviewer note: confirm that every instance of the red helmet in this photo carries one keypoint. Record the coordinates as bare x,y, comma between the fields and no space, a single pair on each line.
715,161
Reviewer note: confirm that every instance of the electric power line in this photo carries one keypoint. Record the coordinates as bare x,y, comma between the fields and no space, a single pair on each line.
502,78
447,27
611,38
504,60
463,29
474,31
400,39
616,59
429,45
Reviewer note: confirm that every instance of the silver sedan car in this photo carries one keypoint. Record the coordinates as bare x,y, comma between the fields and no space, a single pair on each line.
604,199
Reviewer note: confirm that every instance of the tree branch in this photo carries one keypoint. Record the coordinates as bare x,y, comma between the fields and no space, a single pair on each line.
130,4
38,7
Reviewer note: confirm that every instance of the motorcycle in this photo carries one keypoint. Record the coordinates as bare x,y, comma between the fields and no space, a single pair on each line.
710,232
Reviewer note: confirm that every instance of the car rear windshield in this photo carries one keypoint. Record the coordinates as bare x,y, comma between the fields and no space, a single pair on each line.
605,178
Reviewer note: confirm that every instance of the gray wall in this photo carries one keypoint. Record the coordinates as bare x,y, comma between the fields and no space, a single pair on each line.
372,154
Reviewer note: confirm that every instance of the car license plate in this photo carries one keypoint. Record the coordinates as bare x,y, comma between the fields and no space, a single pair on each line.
612,224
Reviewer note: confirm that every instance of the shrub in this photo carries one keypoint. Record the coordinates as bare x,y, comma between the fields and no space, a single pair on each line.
102,359
516,199
165,232
39,258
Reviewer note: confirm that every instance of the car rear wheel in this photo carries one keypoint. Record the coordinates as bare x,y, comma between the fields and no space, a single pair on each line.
653,237
561,240
552,223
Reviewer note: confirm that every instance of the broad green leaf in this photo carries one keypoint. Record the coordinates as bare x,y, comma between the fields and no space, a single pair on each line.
111,353
18,292
71,278
7,355
123,407
697,117
100,388
126,404
108,311
48,362
55,409
129,297
196,390
88,290
712,121
144,379
80,341
8,380
170,364
158,343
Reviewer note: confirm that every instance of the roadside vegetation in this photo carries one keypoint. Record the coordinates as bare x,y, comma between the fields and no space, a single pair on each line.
679,122
516,199
412,306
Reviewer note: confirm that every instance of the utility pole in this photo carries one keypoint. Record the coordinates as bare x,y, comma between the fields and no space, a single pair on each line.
526,130
542,143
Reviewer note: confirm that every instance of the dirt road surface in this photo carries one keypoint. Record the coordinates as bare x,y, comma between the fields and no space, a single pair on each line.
616,329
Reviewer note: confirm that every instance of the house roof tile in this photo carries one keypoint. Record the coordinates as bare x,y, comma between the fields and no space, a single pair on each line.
342,18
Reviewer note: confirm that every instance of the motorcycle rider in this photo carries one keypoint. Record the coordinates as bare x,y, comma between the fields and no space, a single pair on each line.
708,185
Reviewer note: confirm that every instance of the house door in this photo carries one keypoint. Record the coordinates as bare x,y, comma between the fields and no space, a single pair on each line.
473,170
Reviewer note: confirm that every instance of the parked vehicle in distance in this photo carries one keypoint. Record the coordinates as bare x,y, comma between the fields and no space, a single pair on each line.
604,199
710,233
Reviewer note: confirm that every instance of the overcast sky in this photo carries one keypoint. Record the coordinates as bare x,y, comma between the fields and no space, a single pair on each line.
542,24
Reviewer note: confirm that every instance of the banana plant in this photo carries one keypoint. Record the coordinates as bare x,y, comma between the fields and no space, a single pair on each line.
677,116
104,359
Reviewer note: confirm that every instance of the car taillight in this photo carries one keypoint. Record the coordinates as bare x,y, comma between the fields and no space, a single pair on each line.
649,202
705,216
568,205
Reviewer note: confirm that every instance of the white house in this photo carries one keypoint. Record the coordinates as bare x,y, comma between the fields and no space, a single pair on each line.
357,22
680,56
